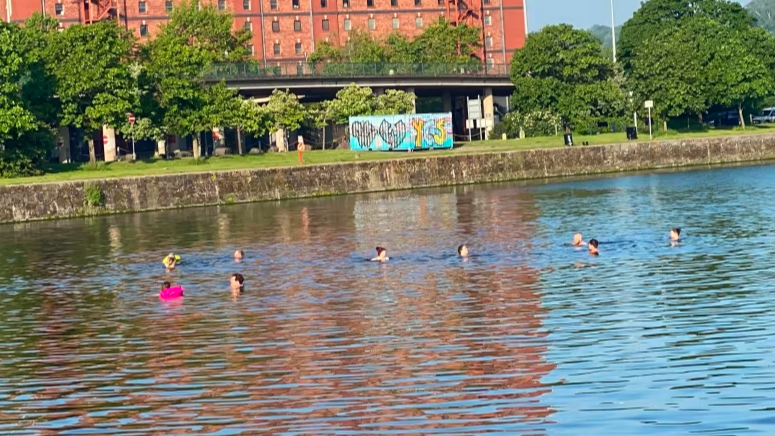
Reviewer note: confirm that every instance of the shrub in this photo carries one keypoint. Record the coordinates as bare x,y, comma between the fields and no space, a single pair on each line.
93,196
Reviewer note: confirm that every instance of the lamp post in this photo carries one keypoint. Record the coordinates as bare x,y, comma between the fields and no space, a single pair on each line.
613,29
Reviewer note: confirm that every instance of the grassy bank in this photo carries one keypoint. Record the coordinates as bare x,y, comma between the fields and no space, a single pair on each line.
70,172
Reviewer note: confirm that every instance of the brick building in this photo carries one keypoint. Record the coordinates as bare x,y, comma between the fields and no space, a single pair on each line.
287,30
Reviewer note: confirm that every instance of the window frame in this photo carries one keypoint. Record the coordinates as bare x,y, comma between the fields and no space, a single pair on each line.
142,7
275,27
59,9
372,24
277,49
297,25
325,24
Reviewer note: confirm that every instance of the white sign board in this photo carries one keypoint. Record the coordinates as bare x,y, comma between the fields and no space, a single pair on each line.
474,109
649,104
469,124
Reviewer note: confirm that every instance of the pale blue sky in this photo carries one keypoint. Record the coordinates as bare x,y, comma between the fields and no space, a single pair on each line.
580,13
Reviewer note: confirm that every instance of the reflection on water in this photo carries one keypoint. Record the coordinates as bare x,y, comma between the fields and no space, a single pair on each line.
528,337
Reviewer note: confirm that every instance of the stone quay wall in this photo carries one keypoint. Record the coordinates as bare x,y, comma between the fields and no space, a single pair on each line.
122,195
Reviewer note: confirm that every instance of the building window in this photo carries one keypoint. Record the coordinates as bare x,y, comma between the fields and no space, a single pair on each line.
441,2
323,3
418,22
488,20
396,24
297,26
221,5
143,30
345,3
418,2
488,41
275,26
141,7
168,5
369,3
297,48
272,4
325,25
248,26
372,24
59,9
347,24
295,4
276,49
487,2
490,63
245,5
251,49
394,3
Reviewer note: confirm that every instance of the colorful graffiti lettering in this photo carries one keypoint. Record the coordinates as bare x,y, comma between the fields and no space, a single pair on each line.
392,132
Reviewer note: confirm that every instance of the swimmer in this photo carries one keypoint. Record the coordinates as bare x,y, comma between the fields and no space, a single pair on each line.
462,251
578,240
165,285
239,255
171,260
381,255
168,292
675,234
236,282
593,247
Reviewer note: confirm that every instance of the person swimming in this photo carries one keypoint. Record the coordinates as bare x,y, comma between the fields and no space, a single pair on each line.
236,283
169,292
381,255
171,261
239,255
578,240
593,247
462,251
675,234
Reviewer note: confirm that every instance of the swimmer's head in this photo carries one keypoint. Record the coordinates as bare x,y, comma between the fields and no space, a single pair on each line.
675,234
236,281
165,285
578,239
462,251
239,254
381,252
593,246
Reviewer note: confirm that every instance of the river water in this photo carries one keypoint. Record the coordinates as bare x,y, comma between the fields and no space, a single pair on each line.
528,337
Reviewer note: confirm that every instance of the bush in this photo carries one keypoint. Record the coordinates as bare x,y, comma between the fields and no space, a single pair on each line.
93,196
537,123
25,156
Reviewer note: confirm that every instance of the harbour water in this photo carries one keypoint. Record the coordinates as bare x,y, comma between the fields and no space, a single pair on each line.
527,337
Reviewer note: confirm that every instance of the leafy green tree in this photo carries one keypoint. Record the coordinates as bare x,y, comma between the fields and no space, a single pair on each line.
22,134
254,119
562,70
94,81
446,44
285,111
395,101
351,101
657,16
188,45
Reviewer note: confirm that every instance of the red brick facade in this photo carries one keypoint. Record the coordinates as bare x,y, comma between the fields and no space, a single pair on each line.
300,24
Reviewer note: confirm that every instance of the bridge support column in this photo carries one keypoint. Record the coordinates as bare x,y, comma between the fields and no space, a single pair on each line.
489,110
446,102
109,143
63,145
279,137
378,91
414,101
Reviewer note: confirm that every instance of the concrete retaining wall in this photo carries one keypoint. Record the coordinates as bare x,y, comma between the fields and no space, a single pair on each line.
59,200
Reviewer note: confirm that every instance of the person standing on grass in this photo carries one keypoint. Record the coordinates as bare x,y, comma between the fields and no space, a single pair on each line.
300,147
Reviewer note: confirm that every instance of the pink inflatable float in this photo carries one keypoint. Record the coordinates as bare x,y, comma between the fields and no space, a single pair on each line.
170,293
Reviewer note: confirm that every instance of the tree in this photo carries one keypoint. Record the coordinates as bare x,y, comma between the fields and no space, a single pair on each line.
656,16
94,82
23,137
254,119
444,43
395,101
189,44
735,76
351,101
286,112
562,70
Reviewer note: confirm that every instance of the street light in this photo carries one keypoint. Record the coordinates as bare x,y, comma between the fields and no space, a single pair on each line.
613,29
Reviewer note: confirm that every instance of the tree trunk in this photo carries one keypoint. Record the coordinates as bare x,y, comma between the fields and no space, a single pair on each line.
92,153
699,117
664,125
196,147
239,141
740,112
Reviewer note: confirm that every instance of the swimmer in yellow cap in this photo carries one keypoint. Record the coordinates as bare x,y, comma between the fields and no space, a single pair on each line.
171,260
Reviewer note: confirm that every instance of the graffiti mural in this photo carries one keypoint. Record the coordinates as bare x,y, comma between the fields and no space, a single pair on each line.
401,132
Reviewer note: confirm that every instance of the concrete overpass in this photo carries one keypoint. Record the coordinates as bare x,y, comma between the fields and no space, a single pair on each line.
322,81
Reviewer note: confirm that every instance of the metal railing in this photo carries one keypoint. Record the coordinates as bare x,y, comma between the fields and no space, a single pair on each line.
351,70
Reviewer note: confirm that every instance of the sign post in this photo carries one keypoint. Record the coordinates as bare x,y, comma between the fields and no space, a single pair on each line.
650,104
131,118
474,116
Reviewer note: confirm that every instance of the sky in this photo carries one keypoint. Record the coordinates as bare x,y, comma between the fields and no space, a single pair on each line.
580,13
